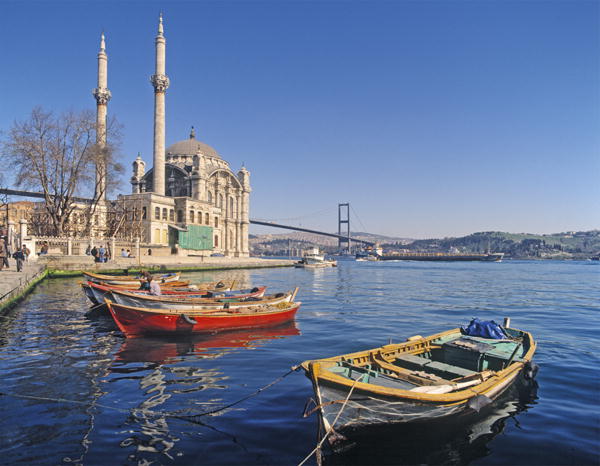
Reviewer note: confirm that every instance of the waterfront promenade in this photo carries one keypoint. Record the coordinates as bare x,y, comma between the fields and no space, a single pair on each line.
66,264
14,285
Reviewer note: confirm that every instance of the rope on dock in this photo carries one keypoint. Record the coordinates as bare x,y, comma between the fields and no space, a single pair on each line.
330,430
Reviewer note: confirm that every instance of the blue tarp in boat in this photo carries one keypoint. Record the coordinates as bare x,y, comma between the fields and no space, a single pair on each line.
484,329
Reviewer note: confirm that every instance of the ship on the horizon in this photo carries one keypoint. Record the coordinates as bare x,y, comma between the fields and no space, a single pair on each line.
443,256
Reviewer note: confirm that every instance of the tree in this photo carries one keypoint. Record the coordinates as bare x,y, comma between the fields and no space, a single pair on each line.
58,155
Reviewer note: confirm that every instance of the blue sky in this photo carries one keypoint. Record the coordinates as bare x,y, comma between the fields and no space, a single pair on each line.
431,118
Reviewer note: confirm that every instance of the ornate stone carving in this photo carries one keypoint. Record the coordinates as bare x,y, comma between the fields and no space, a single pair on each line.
160,82
102,95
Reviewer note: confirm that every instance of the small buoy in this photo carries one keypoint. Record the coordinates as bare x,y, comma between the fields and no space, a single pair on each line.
477,403
188,319
530,370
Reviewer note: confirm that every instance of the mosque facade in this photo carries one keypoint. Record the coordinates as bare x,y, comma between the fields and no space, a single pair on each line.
190,199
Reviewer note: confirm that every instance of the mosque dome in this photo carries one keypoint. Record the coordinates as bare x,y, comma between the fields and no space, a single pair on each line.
190,147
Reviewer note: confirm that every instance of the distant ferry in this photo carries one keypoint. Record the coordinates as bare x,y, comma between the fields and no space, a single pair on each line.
441,256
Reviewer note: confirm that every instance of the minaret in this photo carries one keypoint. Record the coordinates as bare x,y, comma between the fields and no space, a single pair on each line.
102,96
160,81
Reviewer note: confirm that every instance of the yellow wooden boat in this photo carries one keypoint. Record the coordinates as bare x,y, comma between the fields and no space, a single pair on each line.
423,379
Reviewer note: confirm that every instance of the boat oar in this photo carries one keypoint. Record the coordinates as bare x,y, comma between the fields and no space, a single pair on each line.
440,389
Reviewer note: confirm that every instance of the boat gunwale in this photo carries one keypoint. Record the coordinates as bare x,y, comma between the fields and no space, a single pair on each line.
123,278
183,299
216,312
198,304
316,369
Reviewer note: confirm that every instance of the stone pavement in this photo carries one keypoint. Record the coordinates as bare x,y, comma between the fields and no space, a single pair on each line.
13,283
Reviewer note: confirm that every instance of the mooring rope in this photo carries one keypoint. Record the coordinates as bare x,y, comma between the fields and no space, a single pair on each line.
189,418
277,380
330,430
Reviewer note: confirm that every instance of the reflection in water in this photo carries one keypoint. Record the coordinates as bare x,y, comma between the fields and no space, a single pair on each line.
170,378
452,442
159,350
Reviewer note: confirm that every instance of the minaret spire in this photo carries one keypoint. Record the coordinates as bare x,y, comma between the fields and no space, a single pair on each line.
160,81
102,96
161,30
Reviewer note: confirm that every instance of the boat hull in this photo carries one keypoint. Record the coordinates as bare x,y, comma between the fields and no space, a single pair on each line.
366,411
138,321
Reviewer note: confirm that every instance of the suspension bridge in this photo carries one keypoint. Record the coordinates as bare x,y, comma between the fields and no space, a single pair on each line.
343,235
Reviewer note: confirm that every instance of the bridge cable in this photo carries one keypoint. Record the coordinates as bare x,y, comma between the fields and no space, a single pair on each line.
358,218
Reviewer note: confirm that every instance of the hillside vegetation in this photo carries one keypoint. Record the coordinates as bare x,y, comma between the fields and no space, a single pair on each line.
517,245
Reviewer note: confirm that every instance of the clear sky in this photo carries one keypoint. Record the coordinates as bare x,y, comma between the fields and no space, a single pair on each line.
432,118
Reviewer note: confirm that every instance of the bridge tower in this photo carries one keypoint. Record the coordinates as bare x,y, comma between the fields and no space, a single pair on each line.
344,221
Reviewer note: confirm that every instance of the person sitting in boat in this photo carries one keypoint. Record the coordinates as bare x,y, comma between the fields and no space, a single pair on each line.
154,287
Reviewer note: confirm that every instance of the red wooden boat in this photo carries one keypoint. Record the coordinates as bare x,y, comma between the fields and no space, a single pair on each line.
136,321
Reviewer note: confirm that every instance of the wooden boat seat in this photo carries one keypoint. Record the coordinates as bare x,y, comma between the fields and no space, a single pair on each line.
412,361
446,371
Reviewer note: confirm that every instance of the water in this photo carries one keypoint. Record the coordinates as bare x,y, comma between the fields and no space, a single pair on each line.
98,398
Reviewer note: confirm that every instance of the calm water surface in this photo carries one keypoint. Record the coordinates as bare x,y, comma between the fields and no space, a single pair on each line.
74,390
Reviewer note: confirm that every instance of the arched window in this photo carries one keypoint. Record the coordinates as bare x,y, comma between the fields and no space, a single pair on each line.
231,207
210,197
144,213
231,240
216,222
171,215
157,213
164,214
180,216
221,201
200,218
216,241
206,219
191,216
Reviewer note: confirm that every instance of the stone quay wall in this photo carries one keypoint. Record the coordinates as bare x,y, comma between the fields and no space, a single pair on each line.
14,285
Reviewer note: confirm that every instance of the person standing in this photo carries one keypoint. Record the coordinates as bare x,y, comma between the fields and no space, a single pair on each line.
19,256
4,258
2,253
101,254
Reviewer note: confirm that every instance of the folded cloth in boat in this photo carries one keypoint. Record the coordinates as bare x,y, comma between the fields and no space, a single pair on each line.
484,329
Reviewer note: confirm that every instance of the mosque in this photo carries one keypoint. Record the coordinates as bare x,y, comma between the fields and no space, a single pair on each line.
190,200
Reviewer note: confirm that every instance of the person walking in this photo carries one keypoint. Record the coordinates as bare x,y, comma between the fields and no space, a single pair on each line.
19,256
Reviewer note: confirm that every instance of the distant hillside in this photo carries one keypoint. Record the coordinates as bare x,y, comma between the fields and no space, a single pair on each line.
567,245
